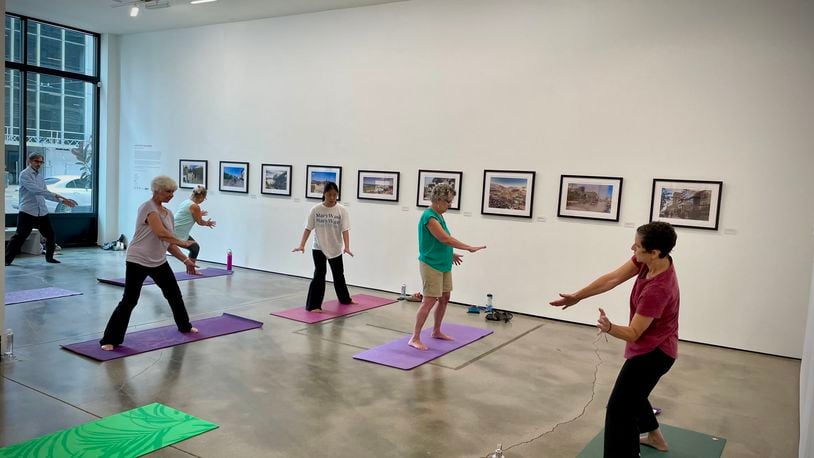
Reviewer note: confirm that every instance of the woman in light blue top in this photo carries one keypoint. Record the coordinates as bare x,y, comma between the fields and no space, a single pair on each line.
188,215
436,258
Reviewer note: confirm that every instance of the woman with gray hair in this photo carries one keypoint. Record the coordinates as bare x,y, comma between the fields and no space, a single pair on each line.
189,214
146,256
436,258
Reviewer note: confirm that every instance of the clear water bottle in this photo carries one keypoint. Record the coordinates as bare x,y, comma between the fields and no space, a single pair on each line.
489,302
403,291
498,453
9,353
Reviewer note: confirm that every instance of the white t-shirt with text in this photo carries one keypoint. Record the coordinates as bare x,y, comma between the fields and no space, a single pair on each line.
328,224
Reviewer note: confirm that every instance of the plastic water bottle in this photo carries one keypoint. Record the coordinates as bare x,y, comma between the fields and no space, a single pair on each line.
9,353
229,260
489,302
498,453
403,291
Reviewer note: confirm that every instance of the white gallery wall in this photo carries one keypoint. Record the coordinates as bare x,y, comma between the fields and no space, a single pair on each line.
702,90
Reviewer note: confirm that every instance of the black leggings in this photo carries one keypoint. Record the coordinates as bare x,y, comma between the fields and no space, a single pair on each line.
629,412
194,249
133,280
316,292
25,223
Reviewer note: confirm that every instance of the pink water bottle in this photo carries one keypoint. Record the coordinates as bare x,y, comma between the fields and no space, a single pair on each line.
229,260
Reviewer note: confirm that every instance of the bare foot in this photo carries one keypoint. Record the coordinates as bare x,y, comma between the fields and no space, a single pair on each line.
654,439
193,330
107,347
441,335
315,311
417,345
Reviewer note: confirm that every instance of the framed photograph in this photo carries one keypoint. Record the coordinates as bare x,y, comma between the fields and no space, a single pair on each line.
378,185
275,179
686,203
192,172
234,176
507,193
428,179
590,197
316,176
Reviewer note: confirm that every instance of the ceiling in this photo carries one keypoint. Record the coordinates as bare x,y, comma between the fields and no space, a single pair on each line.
100,15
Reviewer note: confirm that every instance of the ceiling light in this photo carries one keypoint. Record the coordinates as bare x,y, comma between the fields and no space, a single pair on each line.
134,11
195,2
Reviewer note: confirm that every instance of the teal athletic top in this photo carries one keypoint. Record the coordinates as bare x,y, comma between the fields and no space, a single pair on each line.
184,220
430,251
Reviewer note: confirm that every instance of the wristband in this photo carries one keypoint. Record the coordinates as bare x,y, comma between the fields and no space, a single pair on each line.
610,326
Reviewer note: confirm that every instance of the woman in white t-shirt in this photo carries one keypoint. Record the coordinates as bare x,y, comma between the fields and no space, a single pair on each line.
331,226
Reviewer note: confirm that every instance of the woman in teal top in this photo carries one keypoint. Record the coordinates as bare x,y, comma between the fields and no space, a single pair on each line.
435,258
187,215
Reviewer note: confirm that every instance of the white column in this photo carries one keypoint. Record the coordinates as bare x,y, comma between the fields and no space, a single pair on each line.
807,383
108,226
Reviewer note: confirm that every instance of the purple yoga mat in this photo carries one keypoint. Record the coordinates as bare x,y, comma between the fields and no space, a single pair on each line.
165,336
402,356
29,295
180,276
333,309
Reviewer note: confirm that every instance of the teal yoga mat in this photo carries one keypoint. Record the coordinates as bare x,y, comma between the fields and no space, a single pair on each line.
683,444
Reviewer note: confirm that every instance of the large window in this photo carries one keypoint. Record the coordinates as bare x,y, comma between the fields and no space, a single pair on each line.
51,108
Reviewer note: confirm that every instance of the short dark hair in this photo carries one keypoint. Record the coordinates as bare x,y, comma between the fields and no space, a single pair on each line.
658,235
330,186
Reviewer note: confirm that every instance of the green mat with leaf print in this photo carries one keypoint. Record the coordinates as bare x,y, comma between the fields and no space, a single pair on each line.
127,434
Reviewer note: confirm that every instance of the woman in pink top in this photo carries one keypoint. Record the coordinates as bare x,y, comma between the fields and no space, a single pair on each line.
651,337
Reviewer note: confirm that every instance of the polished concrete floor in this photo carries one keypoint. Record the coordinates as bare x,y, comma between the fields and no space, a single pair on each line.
537,386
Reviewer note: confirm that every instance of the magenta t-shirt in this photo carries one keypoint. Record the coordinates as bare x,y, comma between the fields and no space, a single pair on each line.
657,298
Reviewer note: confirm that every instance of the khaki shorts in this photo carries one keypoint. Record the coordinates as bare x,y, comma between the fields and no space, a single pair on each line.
434,282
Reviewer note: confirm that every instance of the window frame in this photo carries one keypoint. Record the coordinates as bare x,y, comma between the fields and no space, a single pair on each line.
82,227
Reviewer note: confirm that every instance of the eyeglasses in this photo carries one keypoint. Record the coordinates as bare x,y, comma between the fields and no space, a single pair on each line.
38,161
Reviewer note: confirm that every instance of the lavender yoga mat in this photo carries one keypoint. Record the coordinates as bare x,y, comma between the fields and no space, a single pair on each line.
165,336
333,309
402,356
29,295
180,276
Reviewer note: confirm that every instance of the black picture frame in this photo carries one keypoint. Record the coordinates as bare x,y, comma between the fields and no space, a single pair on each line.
427,179
193,172
381,185
508,193
590,197
234,177
322,173
275,179
686,203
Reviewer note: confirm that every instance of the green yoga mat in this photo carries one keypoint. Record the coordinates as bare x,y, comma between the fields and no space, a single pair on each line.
683,444
127,434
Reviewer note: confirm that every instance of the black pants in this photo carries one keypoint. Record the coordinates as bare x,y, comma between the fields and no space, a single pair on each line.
316,292
194,249
629,412
25,223
134,277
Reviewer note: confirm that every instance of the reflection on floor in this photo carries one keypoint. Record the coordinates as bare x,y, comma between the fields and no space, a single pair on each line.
537,386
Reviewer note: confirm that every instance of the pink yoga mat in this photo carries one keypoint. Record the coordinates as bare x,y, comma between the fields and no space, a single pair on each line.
333,309
402,356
